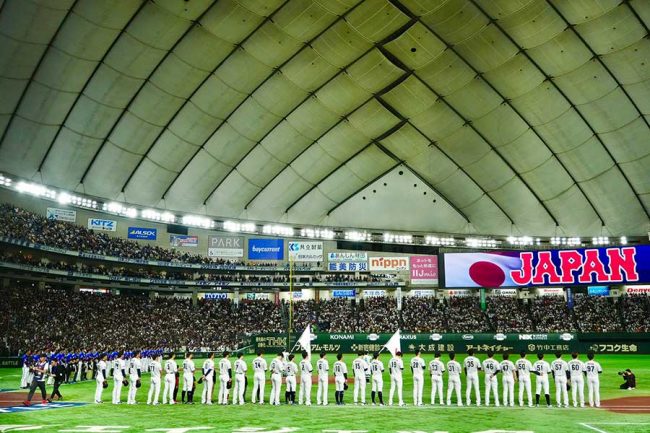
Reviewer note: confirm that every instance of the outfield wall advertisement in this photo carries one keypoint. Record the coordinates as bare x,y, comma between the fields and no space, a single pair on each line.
265,249
225,246
582,266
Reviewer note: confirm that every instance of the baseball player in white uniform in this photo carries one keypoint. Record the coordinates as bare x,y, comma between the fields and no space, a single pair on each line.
322,367
417,368
26,361
188,378
592,370
560,370
290,371
576,370
225,378
119,377
377,378
100,378
259,378
541,381
491,368
240,379
524,369
305,379
436,368
340,378
453,379
207,379
360,368
170,379
472,366
509,372
395,368
135,373
276,367
154,389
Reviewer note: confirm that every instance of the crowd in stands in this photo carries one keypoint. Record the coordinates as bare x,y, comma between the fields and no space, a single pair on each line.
423,314
596,314
465,315
508,315
636,313
551,314
377,315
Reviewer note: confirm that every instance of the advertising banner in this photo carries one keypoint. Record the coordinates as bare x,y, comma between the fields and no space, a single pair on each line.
225,246
306,251
102,225
68,215
503,292
184,241
637,290
374,293
598,290
347,257
257,296
215,296
458,293
145,233
551,291
582,266
422,293
343,293
347,266
265,249
424,270
389,263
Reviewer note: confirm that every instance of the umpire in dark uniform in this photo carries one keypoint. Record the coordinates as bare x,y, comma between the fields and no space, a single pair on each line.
58,371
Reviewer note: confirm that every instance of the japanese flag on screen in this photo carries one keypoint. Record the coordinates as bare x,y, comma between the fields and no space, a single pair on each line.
481,269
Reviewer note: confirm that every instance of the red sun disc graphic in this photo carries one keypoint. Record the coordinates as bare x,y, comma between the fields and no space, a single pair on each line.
487,274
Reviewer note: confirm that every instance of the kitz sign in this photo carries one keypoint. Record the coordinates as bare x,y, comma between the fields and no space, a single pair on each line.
542,268
102,225
142,233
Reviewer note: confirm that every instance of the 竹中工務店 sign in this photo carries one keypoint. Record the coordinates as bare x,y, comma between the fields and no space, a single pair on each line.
306,251
225,246
582,266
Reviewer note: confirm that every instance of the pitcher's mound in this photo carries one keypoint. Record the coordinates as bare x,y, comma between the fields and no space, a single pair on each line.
627,405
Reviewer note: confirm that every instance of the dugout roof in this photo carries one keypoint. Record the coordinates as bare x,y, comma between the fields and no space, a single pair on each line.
465,116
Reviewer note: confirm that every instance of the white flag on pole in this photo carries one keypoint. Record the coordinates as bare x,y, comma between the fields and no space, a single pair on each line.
305,341
393,345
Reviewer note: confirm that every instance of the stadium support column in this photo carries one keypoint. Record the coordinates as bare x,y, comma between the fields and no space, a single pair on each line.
5,284
195,297
483,304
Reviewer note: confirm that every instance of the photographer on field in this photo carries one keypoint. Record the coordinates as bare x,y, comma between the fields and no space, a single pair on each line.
630,379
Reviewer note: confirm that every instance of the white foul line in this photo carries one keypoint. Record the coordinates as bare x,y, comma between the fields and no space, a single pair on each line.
592,427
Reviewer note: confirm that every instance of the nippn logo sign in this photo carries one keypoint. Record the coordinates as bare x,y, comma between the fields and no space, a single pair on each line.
389,263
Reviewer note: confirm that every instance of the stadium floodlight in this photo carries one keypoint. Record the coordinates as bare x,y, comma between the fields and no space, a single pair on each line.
277,230
120,209
150,214
233,226
438,241
522,241
314,233
600,240
5,181
571,242
64,198
481,243
623,240
35,190
397,238
197,221
358,236
167,217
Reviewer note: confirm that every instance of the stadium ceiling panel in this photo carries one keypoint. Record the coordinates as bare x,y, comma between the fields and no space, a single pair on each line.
505,117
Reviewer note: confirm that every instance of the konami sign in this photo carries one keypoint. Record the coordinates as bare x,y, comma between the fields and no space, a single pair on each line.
543,268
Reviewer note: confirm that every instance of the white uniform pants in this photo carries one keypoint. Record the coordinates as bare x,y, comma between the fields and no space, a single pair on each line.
23,378
305,390
508,383
188,382
541,384
578,390
132,389
472,381
418,387
491,384
168,391
117,389
206,396
291,383
593,386
276,384
436,388
154,391
561,392
395,382
223,389
339,383
524,383
377,383
321,393
360,387
99,388
454,385
238,388
258,387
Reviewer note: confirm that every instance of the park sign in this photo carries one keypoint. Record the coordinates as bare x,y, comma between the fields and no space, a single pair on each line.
225,246
582,266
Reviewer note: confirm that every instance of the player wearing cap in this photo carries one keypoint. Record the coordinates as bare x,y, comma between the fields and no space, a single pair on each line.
491,368
305,379
207,379
417,369
276,368
560,370
377,372
436,368
524,369
340,378
259,378
395,368
154,388
360,368
576,369
453,379
135,373
170,379
188,379
508,380
592,370
322,367
472,366
541,382
100,378
225,378
240,379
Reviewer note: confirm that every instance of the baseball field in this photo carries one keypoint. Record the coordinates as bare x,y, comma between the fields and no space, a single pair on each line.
622,411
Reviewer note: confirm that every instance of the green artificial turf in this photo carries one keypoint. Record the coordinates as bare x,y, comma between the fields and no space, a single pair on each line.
249,418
